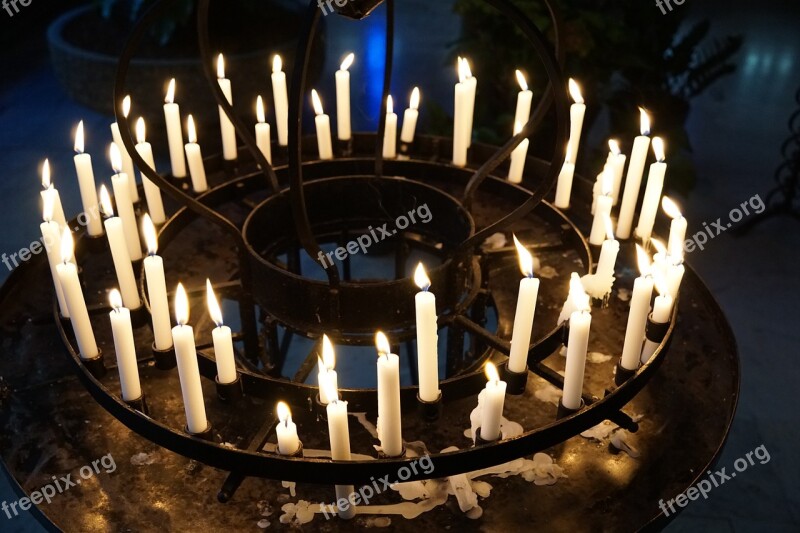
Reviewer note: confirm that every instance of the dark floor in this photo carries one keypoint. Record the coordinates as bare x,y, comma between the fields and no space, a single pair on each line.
736,129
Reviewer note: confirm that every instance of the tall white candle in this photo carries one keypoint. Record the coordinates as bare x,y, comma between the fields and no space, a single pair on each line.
464,109
343,98
518,158
616,160
389,412
115,232
124,347
524,99
51,237
156,287
288,441
323,123
339,434
223,341
119,181
471,84
677,228
78,314
410,118
580,322
229,150
652,192
188,370
637,316
565,178
427,338
326,376
281,99
390,133
155,205
662,313
603,211
263,134
492,400
577,112
83,167
127,162
50,194
194,155
172,114
633,181
526,309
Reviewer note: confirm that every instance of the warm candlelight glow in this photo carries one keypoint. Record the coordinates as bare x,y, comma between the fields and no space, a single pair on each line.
659,246
415,98
67,246
213,305
79,141
464,72
115,299
609,227
670,207
46,184
115,156
421,278
644,261
150,236
261,114
658,149
645,121
382,343
389,105
330,390
613,145
328,353
126,106
316,102
191,130
660,283
578,294
48,206
220,67
181,305
575,91
170,99
106,207
525,258
277,64
140,131
491,372
284,414
347,62
523,83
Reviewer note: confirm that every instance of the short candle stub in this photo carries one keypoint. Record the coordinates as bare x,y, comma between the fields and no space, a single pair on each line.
622,374
139,404
515,381
430,411
207,434
344,147
165,359
95,365
298,453
564,411
229,392
382,455
656,331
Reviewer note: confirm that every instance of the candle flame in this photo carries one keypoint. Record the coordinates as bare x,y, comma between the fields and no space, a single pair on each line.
181,305
191,130
467,69
115,299
523,83
331,391
644,121
284,414
491,372
415,98
670,207
316,102
46,183
645,267
47,207
67,245
613,145
575,91
659,246
464,72
213,305
525,258
79,140
261,114
277,64
328,353
607,181
578,294
658,149
347,62
660,283
126,106
170,99
115,156
220,67
382,344
150,236
421,278
609,227
389,105
106,208
141,131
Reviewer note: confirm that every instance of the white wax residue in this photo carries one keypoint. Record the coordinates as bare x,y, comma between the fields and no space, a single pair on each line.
597,357
495,241
263,523
543,470
462,489
601,431
141,459
547,272
548,393
298,513
597,286
292,486
619,441
624,295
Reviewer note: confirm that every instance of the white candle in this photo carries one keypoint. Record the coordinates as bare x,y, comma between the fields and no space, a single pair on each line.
633,181
127,162
616,160
518,157
156,287
78,314
229,150
323,123
662,313
83,167
339,434
637,316
188,370
427,338
526,309
115,233
288,441
50,194
652,192
492,400
471,84
172,114
194,155
122,196
660,259
580,323
223,341
343,99
155,205
608,253
389,412
410,118
577,112
263,134
464,109
565,178
524,99
51,237
390,133
327,379
677,228
281,100
122,331
603,211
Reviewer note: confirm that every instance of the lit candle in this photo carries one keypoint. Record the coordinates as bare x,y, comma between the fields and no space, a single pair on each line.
518,157
326,377
580,322
73,295
637,316
565,177
675,272
155,206
608,257
127,162
172,114
410,118
263,134
492,400
662,312
633,181
524,100
229,151
577,112
471,84
390,133
427,338
156,287
343,99
51,237
194,155
122,196
83,167
389,413
122,331
323,123
188,371
339,434
464,110
50,194
526,309
660,259
223,342
115,233
616,160
288,441
281,100
652,192
604,205
677,228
